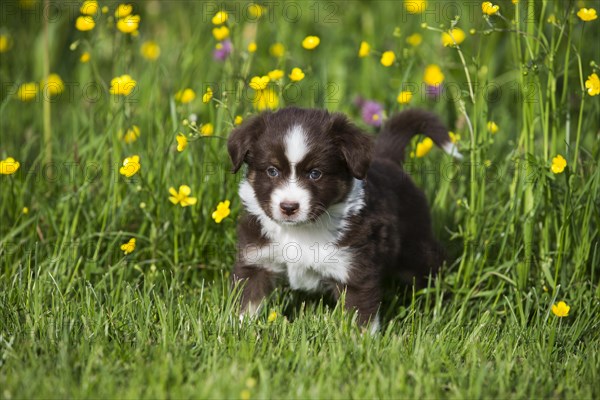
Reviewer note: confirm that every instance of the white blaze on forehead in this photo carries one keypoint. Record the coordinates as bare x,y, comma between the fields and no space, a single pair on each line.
295,146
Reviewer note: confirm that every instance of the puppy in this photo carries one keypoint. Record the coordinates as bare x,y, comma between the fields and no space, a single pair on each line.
328,210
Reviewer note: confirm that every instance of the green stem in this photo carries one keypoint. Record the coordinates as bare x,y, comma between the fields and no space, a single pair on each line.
566,66
47,116
176,238
580,120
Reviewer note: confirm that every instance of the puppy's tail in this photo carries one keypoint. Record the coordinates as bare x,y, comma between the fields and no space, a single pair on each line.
400,128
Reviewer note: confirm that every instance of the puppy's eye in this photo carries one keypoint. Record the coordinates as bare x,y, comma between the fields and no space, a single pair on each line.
272,172
314,174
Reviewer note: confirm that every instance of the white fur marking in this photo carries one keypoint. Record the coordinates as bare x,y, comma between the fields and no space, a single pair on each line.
295,145
250,312
374,324
351,206
296,149
246,192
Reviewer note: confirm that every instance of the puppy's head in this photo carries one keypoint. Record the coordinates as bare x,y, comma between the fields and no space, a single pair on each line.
300,161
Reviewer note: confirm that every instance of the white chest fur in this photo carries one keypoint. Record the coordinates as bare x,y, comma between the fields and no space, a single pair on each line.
307,253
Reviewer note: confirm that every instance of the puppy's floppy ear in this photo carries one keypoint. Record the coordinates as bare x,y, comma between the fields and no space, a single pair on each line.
355,145
241,139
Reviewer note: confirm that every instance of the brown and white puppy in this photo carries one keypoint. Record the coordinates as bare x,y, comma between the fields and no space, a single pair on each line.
329,211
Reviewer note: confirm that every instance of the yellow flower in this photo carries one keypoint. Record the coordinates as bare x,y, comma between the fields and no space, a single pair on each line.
207,129
296,75
122,85
515,1
53,85
207,96
404,97
255,10
85,57
266,99
27,91
185,96
259,83
433,75
587,14
25,210
415,39
220,18
277,50
454,137
415,6
551,19
4,43
123,10
89,7
272,316
388,58
84,23
593,85
252,47
238,120
221,212
488,8
245,394
182,142
150,50
131,165
275,74
424,147
132,134
558,164
456,33
128,247
311,42
492,127
364,49
9,166
129,24
182,197
104,10
561,309
221,33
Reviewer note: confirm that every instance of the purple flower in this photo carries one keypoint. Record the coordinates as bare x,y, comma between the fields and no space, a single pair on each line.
433,91
371,111
222,50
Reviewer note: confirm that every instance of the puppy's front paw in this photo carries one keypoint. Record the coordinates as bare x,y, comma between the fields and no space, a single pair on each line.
374,325
249,311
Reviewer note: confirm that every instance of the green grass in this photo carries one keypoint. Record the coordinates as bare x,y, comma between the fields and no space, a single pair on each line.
80,319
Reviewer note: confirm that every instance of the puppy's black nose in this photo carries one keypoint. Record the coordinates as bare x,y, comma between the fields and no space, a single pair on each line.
288,207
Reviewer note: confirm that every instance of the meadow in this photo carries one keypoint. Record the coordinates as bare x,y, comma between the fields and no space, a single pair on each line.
118,208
